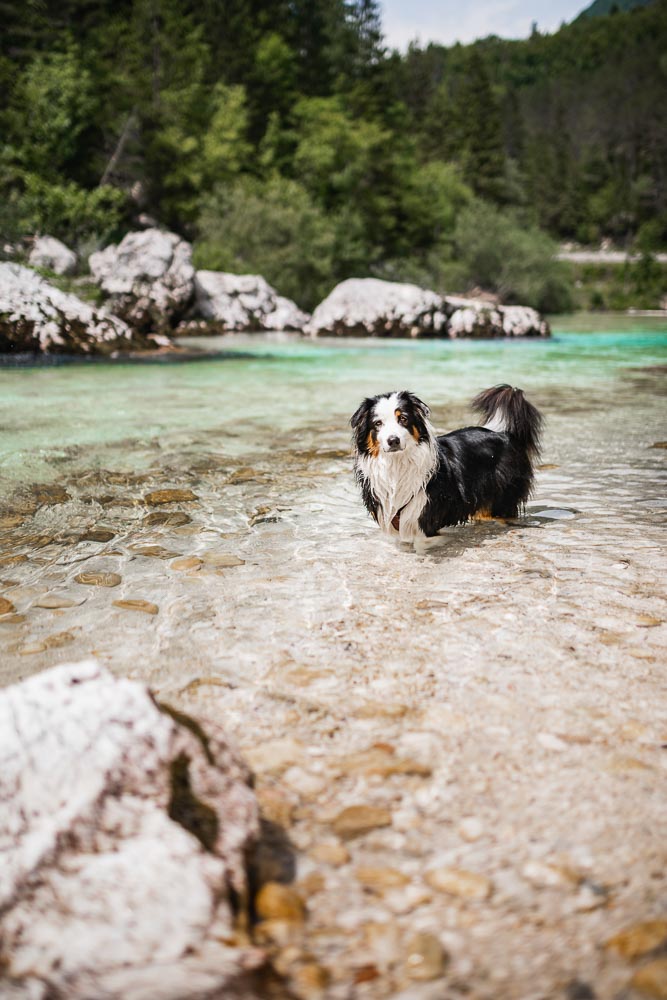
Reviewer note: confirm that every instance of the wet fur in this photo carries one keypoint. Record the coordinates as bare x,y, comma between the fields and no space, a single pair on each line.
427,482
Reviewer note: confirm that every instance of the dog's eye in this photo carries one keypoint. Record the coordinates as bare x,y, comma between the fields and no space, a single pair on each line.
377,424
403,420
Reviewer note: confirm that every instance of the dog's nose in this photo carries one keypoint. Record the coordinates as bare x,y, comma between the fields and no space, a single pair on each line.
393,441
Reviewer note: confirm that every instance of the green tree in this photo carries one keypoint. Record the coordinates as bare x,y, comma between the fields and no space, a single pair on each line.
271,228
502,253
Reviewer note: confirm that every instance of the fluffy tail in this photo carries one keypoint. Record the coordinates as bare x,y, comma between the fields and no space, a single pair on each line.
506,409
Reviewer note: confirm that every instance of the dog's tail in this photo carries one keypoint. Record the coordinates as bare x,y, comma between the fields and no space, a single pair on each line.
506,409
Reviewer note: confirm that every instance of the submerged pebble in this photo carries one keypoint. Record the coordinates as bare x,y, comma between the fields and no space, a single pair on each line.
459,882
172,519
54,601
99,579
157,497
354,821
137,605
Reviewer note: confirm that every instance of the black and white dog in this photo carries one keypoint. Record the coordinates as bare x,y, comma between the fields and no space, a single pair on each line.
414,483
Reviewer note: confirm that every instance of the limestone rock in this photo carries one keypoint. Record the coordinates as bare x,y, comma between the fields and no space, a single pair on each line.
148,276
123,823
484,319
36,317
522,321
244,302
48,252
363,307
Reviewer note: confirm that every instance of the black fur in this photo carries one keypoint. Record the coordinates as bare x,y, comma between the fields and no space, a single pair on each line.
479,471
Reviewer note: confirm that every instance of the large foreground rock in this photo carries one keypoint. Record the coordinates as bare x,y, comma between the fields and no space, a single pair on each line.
122,836
362,307
36,317
48,252
148,276
244,302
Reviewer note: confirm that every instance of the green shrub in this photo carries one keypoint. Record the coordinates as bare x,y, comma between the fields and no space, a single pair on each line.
272,228
503,254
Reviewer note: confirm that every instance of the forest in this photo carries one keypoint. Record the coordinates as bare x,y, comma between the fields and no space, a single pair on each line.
284,138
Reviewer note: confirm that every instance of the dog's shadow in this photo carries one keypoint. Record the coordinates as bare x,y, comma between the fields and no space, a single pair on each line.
451,543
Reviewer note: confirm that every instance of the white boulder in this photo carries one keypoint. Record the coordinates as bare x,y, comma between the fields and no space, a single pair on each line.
37,317
122,834
363,307
244,302
48,252
522,321
148,276
481,318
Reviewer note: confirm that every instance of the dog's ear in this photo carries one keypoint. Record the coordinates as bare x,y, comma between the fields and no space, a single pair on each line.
360,414
418,405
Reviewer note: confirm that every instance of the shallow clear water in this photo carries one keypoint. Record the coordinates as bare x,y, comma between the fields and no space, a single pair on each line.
279,406
522,665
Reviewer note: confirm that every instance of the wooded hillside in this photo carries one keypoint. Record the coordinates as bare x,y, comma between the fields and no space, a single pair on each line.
284,138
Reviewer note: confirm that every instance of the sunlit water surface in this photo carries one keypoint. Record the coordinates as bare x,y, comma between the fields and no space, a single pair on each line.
260,434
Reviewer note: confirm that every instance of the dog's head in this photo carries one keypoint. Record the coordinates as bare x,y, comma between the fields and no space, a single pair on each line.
390,423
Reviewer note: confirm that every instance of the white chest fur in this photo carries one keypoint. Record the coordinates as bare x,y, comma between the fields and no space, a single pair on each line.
398,481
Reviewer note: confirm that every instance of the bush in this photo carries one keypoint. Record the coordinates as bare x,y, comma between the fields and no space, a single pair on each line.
68,211
503,254
272,228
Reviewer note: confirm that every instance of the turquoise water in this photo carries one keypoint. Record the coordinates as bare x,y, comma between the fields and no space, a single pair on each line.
260,435
265,390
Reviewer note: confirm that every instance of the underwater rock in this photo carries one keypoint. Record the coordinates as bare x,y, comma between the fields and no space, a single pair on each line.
244,302
121,844
50,253
36,317
148,277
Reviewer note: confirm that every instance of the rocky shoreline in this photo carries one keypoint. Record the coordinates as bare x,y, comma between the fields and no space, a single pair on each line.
152,294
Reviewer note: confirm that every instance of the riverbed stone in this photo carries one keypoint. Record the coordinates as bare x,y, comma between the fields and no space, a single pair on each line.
136,604
222,560
378,879
36,317
275,756
148,277
330,854
6,606
651,979
356,820
109,816
92,579
51,254
168,519
276,901
187,563
54,601
425,957
158,497
639,939
459,882
98,535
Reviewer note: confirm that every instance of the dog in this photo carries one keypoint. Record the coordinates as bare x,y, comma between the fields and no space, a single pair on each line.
413,482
